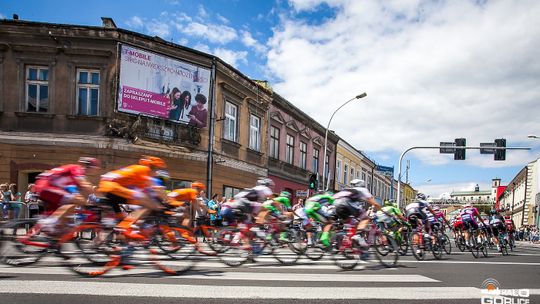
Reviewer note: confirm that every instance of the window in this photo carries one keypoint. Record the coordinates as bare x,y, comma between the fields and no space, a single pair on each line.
254,133
231,113
345,173
87,92
289,151
327,164
230,192
315,160
338,170
364,175
37,89
352,173
303,155
274,142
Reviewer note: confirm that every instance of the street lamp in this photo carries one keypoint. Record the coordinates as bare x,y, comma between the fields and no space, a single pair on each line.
532,136
326,137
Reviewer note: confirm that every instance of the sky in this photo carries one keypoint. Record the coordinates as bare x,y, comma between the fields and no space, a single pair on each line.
433,71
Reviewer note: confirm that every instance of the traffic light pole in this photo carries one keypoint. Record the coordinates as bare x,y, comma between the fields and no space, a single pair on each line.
442,147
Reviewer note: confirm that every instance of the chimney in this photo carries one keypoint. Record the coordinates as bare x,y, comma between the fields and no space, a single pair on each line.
108,22
15,17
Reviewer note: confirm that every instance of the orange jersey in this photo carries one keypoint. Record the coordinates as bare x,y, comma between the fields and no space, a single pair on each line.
134,176
186,195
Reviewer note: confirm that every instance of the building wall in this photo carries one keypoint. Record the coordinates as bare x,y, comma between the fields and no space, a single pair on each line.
37,141
289,120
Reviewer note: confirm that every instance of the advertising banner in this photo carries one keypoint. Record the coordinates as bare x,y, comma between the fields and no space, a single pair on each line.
160,86
387,171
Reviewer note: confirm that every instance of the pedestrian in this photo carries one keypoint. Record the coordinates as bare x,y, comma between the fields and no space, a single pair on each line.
5,198
32,202
15,204
215,216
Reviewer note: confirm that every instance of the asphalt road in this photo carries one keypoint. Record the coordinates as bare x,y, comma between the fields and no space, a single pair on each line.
455,279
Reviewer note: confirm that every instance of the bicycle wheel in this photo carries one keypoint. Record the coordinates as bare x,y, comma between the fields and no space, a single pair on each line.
22,245
417,247
446,244
473,245
386,250
403,243
483,243
460,243
345,256
314,251
283,253
436,247
504,246
95,243
177,243
237,252
171,267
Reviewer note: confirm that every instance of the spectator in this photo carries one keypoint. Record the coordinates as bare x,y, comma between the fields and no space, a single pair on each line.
32,202
5,198
14,207
214,205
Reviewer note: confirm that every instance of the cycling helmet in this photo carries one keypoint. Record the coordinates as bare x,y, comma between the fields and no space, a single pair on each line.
163,176
436,208
421,196
198,185
358,183
152,162
388,203
467,205
265,182
285,194
493,212
90,162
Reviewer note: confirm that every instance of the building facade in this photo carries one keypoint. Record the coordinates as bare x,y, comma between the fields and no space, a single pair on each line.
352,163
61,88
296,147
521,197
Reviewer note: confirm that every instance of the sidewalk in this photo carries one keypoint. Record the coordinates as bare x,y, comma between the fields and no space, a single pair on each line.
527,243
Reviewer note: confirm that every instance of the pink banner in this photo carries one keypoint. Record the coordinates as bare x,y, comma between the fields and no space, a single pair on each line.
145,102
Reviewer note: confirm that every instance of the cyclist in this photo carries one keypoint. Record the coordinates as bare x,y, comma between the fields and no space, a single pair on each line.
468,215
320,209
350,203
496,221
279,207
135,185
417,212
437,219
190,197
64,188
390,222
247,204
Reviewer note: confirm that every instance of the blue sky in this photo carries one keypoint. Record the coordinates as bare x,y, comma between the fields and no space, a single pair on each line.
433,70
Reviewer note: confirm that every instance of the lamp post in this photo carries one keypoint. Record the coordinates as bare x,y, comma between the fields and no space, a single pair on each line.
326,137
532,136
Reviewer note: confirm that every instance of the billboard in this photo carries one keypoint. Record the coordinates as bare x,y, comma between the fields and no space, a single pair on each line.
160,86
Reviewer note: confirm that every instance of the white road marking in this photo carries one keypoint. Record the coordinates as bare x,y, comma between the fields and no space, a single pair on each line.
238,292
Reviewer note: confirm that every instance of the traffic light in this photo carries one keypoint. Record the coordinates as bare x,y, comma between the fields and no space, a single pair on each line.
459,153
313,182
500,154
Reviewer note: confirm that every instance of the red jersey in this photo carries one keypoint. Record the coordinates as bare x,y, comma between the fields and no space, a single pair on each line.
60,177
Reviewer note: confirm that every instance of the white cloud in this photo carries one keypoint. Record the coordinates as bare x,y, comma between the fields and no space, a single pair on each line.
202,13
172,2
202,47
214,33
231,57
135,22
222,19
250,42
158,28
433,71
